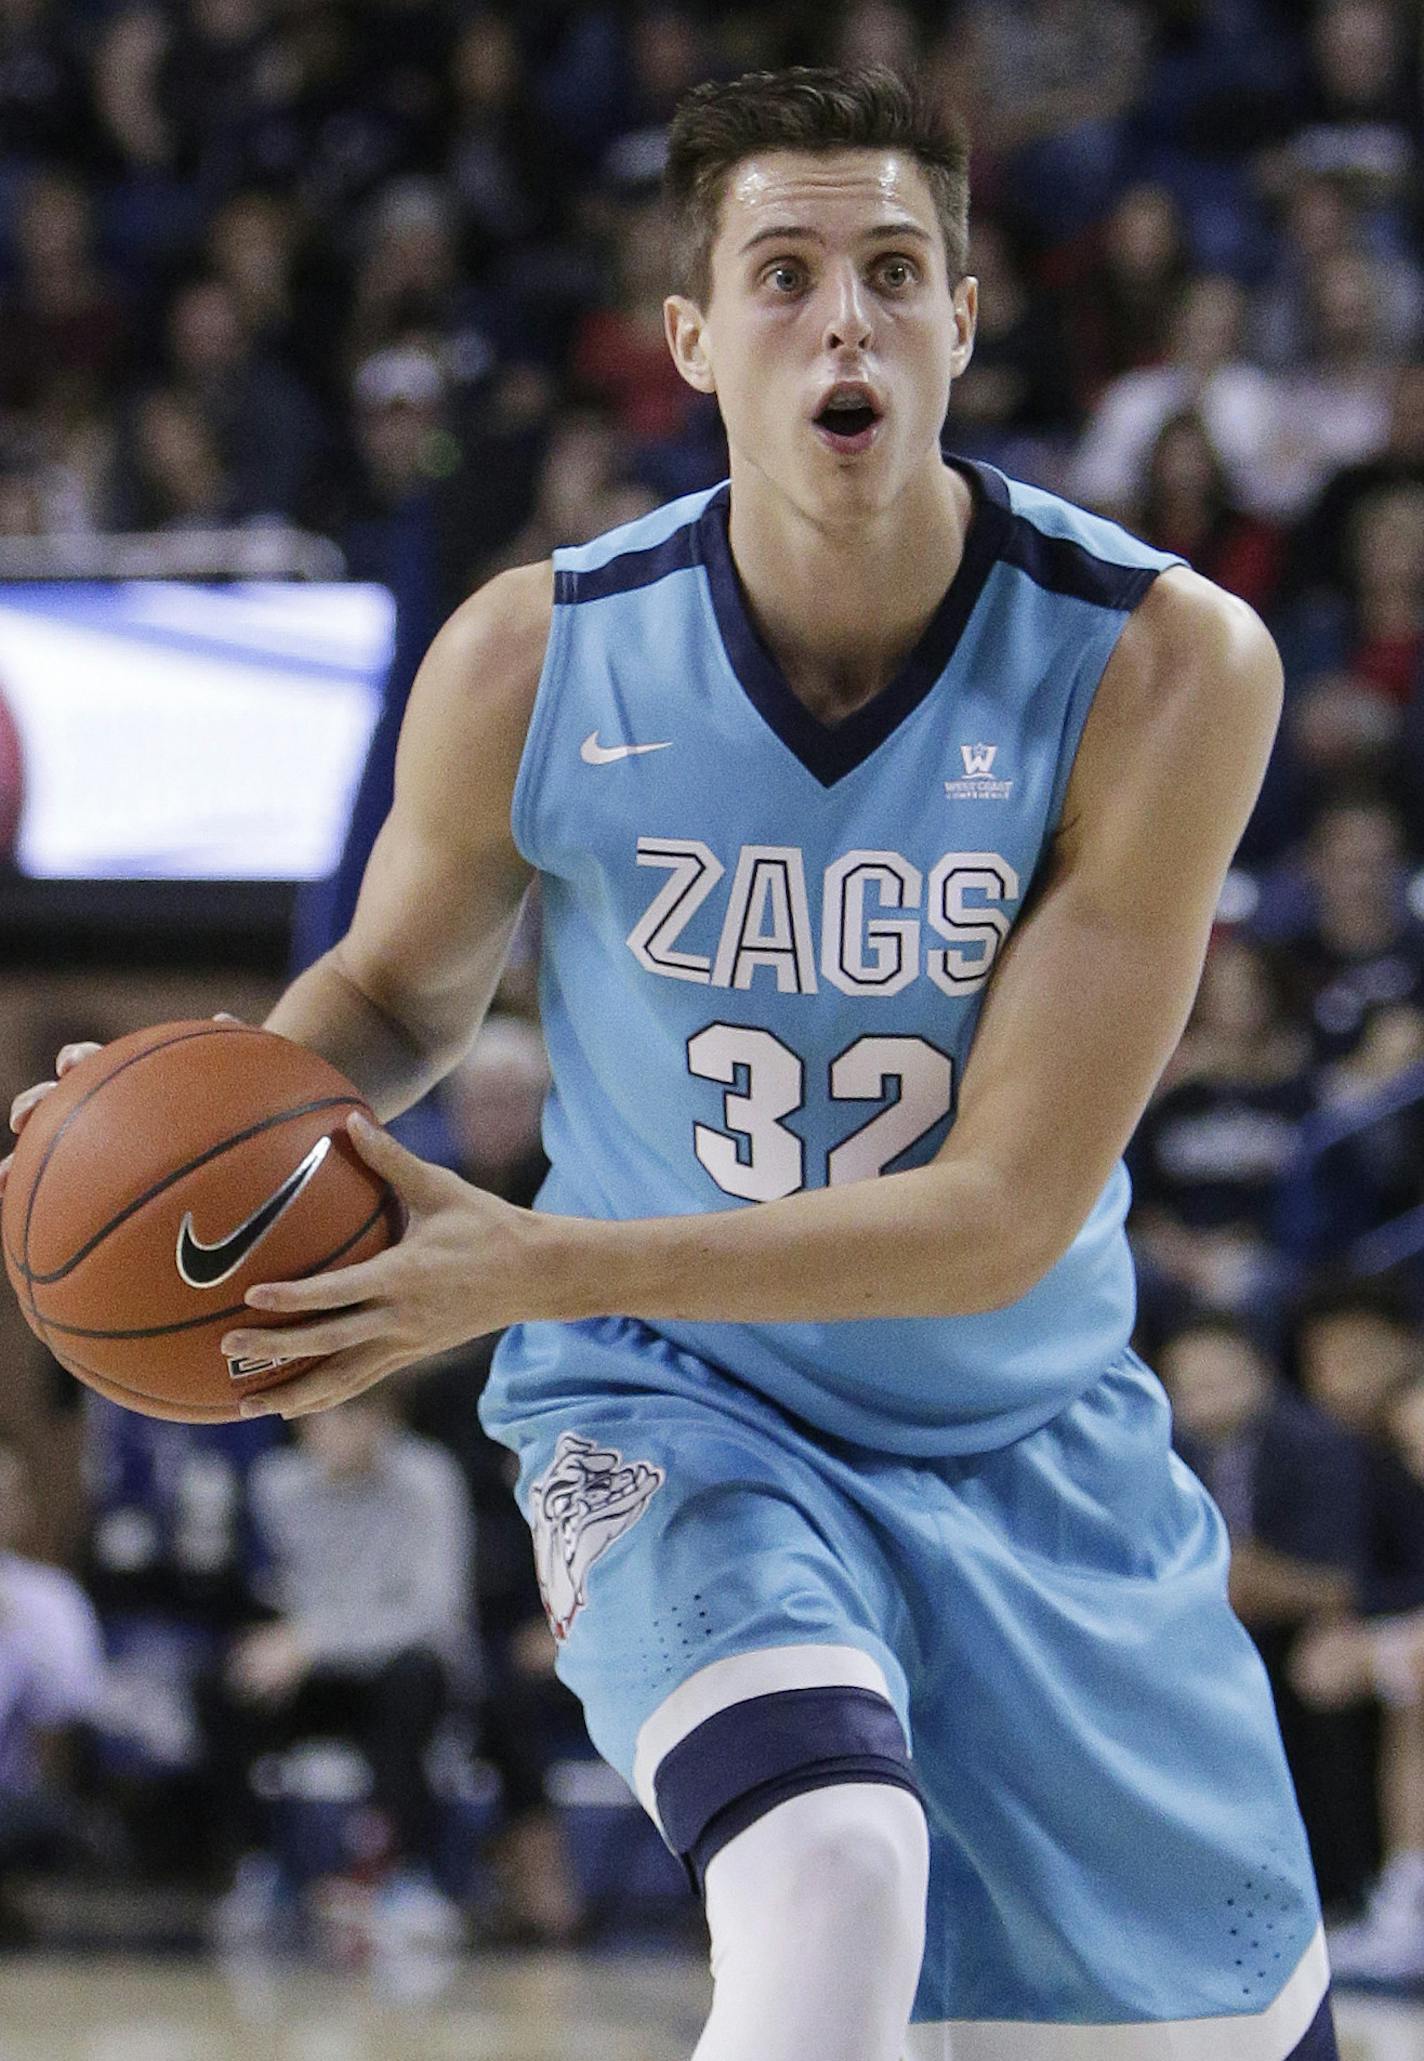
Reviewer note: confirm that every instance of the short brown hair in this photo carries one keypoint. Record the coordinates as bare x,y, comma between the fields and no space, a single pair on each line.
805,107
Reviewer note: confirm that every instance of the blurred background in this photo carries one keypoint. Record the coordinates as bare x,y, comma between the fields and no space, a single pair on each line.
313,314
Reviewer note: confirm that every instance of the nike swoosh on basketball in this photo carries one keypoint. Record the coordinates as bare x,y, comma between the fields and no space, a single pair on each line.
203,1266
595,754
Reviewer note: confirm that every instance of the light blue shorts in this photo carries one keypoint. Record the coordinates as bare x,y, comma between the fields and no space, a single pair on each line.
1037,1638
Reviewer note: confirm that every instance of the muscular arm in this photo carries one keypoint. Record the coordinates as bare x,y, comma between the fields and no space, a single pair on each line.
396,1003
1082,1013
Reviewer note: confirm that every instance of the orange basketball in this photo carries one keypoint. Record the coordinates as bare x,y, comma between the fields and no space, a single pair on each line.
159,1181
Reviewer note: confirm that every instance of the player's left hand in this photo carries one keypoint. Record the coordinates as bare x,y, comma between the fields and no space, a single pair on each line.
463,1268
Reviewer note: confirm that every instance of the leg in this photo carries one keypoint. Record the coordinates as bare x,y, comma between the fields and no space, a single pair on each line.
1387,1943
1402,1780
724,1616
1118,1868
830,1885
403,1704
541,1896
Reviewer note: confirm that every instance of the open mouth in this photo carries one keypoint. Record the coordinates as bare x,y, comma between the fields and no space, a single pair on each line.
848,420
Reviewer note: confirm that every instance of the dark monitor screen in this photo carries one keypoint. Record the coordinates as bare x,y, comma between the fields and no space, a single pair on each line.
186,731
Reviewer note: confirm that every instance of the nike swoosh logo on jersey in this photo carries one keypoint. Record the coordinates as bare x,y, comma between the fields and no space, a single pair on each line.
203,1266
595,754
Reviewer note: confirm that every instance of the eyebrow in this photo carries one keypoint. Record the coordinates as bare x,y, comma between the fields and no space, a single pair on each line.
788,232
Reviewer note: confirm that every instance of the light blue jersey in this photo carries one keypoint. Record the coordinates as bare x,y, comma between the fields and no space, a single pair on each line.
767,940
956,1555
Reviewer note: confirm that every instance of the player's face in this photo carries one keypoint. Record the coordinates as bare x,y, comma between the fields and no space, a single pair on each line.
832,330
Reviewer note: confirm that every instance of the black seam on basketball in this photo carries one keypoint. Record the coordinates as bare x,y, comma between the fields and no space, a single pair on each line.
236,1309
205,1030
110,1390
268,1123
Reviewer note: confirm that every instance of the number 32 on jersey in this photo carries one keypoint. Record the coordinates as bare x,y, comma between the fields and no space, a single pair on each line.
759,1158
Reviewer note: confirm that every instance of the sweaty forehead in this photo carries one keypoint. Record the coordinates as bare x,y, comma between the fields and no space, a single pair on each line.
833,191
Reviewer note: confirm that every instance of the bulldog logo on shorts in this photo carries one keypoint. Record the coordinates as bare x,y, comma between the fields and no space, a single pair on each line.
588,1497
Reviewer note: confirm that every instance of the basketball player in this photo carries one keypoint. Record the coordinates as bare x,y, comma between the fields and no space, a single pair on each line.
880,806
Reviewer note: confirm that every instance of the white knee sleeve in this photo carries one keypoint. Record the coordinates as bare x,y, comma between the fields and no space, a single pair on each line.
817,1914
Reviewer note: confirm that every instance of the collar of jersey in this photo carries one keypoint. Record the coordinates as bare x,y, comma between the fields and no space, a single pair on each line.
829,751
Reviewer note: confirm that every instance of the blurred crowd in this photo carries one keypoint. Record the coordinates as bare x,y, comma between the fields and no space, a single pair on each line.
393,272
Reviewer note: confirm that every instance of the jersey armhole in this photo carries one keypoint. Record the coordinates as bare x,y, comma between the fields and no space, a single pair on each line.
1080,702
524,800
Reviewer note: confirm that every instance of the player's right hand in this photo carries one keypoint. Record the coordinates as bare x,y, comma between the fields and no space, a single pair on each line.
28,1100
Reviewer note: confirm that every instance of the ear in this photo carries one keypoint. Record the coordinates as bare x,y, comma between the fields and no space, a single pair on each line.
966,320
685,327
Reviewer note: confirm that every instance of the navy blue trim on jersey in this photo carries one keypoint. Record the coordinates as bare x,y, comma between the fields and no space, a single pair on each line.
1067,568
744,1760
1319,2043
677,553
745,1812
830,751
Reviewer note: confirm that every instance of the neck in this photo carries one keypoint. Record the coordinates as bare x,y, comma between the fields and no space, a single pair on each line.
840,604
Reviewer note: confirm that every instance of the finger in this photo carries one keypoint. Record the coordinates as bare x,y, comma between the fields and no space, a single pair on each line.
226,1016
27,1100
70,1055
301,1341
411,1177
323,1389
336,1290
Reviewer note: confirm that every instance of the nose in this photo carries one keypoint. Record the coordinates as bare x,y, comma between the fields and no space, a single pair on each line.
848,324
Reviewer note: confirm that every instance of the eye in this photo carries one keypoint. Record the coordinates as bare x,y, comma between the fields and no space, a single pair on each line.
787,275
898,272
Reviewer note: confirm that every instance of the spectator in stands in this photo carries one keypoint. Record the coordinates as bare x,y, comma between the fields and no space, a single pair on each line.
1352,1661
1204,371
172,475
1321,542
252,240
1188,506
1357,1181
1354,657
173,1564
1361,113
620,352
63,325
1213,1142
263,422
407,282
1046,86
1333,405
1372,629
498,165
366,1529
1355,945
1012,405
1323,217
51,1678
1287,1481
879,32
1356,1348
1119,289
43,102
665,52
495,1097
585,485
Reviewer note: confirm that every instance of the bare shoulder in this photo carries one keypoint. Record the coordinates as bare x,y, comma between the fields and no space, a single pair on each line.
1189,640
1192,691
474,694
492,648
